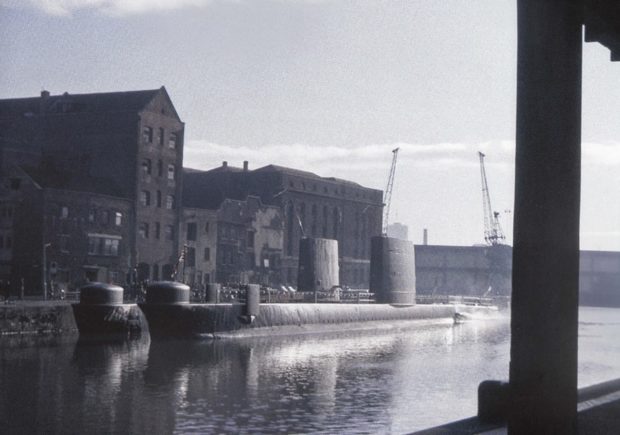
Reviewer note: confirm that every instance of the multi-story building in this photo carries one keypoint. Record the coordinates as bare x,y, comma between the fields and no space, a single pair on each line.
310,205
69,237
242,238
125,146
249,242
198,237
8,203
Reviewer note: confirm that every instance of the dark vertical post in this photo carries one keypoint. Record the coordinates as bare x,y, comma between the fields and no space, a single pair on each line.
543,366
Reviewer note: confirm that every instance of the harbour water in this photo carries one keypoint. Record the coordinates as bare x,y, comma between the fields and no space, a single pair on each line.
389,382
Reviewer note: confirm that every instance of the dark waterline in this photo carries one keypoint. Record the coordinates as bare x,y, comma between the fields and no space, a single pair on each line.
389,382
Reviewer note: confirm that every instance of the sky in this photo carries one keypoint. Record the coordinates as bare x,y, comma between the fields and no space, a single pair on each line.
330,86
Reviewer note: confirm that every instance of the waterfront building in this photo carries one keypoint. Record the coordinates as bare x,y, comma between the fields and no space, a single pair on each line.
240,238
198,240
9,196
310,206
80,233
123,148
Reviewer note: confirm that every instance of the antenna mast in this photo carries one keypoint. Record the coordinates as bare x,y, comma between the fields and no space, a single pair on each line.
387,196
493,233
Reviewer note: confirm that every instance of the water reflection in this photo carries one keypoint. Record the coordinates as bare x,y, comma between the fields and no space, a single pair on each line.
395,381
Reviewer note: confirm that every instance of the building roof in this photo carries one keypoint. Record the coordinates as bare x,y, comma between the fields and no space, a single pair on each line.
288,171
304,174
208,189
602,23
53,179
129,101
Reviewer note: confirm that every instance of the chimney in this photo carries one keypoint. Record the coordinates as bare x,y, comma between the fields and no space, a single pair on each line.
224,164
425,237
43,101
245,165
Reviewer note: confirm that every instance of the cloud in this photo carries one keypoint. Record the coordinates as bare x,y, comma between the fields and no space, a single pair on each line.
108,7
601,154
66,8
328,160
373,160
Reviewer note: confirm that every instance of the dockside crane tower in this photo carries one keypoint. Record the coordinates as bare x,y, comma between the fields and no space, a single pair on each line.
387,195
493,233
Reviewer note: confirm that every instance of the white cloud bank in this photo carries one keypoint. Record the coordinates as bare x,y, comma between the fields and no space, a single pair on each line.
66,8
331,160
108,7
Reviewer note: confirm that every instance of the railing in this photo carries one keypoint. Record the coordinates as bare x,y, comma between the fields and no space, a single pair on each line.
500,301
271,295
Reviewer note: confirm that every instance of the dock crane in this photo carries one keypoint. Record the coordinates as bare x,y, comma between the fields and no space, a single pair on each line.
387,195
493,233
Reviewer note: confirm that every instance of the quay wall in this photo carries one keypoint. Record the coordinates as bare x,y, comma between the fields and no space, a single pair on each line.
37,318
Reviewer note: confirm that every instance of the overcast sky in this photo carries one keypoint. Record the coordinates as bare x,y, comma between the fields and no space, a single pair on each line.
330,86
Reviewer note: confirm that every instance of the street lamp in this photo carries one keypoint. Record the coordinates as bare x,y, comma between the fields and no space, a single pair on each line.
44,269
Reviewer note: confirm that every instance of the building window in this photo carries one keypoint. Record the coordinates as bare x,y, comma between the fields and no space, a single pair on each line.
324,221
336,222
160,137
207,227
190,258
169,232
145,198
143,230
111,247
207,254
91,215
172,141
146,166
114,277
160,168
170,172
289,228
118,218
250,239
155,272
7,212
101,245
170,202
166,271
157,230
191,231
147,135
105,217
158,198
314,219
63,243
64,212
302,216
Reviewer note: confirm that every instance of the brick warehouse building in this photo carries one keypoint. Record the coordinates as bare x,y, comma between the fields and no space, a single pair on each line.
324,207
123,149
